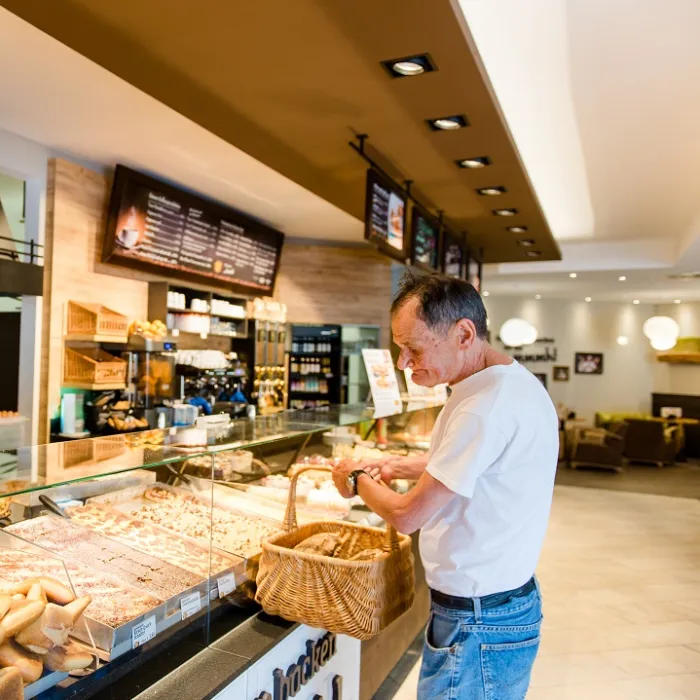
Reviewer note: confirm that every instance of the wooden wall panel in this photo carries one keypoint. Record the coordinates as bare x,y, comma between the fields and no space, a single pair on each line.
324,284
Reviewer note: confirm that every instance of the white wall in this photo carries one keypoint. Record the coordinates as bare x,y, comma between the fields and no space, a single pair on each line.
679,379
628,371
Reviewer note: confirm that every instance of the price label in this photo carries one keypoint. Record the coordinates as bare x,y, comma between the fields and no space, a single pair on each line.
190,605
143,632
226,584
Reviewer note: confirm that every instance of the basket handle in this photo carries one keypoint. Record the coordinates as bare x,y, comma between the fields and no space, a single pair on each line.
391,538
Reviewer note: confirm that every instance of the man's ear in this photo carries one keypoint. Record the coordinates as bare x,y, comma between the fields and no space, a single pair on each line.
466,333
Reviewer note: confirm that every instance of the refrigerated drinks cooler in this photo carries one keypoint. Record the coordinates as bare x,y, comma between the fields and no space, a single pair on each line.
315,375
354,339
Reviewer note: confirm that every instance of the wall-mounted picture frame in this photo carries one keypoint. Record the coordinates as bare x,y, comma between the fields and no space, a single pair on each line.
560,374
542,377
588,363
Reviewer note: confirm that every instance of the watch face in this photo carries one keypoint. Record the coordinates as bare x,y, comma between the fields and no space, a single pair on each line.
350,482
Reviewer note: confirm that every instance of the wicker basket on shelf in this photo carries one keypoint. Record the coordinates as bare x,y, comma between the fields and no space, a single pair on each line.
94,320
357,598
92,366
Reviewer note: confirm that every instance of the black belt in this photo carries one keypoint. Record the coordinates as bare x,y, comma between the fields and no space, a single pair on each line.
487,601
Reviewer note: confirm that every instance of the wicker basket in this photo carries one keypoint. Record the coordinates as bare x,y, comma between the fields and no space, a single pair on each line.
357,598
94,319
92,366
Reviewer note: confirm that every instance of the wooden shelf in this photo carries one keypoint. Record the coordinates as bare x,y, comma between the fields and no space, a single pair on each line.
94,387
679,357
116,339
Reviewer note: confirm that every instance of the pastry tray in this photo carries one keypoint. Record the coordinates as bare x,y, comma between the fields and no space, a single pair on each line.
114,641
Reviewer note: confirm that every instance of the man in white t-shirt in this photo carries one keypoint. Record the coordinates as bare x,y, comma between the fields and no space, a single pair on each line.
482,497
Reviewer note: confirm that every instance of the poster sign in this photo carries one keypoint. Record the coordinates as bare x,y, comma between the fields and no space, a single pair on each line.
382,381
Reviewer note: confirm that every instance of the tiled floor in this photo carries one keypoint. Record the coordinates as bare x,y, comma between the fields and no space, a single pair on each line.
620,576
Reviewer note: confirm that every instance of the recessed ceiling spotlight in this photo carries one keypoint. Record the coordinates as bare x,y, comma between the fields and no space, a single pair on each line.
485,294
573,275
491,191
409,66
588,300
458,121
538,296
623,340
676,301
516,229
622,278
534,253
527,242
636,301
505,212
474,163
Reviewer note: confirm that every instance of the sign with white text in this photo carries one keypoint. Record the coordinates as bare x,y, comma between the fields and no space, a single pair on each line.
382,382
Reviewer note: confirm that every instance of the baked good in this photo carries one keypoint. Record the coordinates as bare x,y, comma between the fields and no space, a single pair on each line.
5,600
11,685
148,539
29,665
21,616
84,546
55,591
68,658
114,603
323,543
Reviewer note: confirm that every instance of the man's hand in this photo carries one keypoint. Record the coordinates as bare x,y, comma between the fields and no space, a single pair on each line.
345,467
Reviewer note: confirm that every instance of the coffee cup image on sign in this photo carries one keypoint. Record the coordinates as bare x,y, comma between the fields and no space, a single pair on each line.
130,228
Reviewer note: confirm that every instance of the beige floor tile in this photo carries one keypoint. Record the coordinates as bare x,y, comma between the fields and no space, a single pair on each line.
658,661
643,613
686,687
408,689
572,669
587,691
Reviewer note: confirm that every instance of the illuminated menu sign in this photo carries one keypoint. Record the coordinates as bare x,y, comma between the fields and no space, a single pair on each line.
452,254
153,224
425,233
385,215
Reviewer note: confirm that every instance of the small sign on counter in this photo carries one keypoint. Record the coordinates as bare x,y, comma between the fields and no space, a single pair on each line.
143,632
226,584
382,381
190,605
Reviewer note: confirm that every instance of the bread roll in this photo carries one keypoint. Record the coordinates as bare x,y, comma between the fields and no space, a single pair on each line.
77,607
11,685
37,592
51,629
5,601
56,592
20,617
68,658
28,664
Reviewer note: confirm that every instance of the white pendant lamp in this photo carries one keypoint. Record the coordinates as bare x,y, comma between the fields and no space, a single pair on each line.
663,342
661,326
516,332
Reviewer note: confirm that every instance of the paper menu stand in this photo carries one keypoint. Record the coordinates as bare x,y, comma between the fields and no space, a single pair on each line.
416,393
382,381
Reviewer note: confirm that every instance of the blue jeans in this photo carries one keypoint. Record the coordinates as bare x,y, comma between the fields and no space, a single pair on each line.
481,654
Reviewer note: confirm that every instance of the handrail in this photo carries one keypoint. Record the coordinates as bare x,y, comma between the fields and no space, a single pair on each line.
34,253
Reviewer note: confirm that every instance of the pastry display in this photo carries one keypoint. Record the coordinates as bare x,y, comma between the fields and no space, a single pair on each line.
184,514
84,546
154,330
148,539
113,603
36,617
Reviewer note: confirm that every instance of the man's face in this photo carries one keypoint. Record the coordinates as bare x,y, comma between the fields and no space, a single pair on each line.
434,358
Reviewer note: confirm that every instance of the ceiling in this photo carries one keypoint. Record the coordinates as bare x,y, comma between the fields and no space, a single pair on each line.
603,101
255,104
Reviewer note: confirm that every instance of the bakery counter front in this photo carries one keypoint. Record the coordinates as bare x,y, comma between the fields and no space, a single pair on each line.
128,564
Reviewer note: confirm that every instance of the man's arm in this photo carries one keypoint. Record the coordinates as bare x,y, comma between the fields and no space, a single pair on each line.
406,512
397,467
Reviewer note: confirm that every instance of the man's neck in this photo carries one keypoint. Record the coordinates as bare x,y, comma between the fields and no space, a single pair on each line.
483,358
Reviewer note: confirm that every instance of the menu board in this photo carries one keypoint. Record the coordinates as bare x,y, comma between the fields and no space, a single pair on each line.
425,232
385,215
452,254
153,224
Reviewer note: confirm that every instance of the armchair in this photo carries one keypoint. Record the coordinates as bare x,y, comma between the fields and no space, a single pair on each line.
595,447
651,441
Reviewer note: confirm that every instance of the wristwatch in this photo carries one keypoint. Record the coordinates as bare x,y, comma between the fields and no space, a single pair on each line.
352,480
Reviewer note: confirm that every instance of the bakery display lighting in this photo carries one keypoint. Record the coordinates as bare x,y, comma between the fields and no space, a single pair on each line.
676,301
622,278
491,191
573,275
505,212
588,300
534,253
526,242
517,229
538,296
635,302
457,121
409,66
485,294
474,163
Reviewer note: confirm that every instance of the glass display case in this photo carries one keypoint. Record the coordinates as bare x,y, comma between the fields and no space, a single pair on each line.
116,550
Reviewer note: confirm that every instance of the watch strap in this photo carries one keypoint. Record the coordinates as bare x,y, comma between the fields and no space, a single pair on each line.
354,476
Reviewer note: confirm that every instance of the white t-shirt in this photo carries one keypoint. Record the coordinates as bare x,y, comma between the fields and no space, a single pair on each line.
495,445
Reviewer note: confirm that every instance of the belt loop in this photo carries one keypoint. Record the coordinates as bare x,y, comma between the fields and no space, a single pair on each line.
477,610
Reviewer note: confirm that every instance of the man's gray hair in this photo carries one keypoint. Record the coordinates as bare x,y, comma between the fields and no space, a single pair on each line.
442,301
